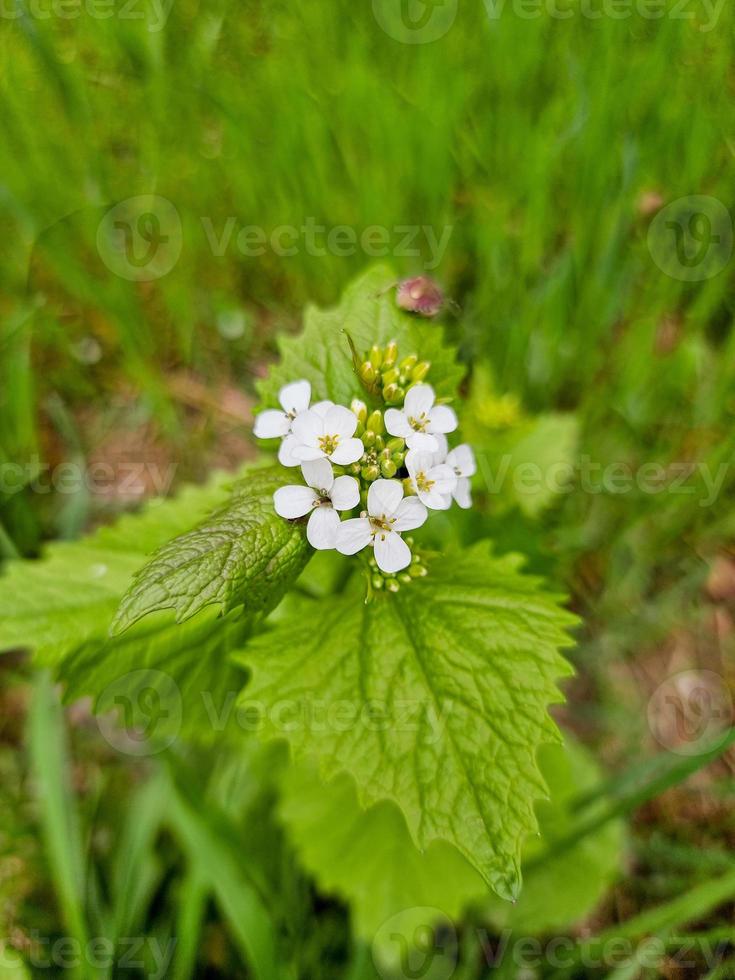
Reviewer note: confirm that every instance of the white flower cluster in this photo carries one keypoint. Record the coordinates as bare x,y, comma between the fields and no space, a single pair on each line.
317,436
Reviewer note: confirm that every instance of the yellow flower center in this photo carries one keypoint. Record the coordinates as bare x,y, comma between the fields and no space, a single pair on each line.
328,444
382,525
420,423
423,483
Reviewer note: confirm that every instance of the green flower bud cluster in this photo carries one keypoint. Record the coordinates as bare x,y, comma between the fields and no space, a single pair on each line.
383,374
392,582
384,454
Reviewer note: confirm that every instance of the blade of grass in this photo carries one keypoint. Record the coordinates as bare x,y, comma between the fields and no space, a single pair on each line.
629,795
217,864
192,902
50,764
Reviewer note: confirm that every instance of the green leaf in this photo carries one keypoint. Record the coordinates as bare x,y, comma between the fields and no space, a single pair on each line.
61,607
69,596
368,312
577,879
368,857
434,697
532,465
242,555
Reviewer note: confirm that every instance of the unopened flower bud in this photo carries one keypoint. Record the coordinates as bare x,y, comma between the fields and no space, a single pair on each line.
420,371
354,468
370,472
408,490
390,354
379,443
394,395
378,581
375,422
395,445
392,585
359,408
408,363
405,578
399,458
391,377
417,571
367,372
388,468
420,295
375,356
368,438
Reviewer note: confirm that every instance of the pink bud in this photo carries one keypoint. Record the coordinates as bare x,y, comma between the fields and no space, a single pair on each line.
420,295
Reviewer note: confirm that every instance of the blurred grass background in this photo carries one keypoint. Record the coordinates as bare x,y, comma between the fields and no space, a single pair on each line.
548,145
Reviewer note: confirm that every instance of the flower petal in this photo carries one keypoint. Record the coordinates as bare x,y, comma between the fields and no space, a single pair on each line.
384,496
340,421
321,408
462,493
419,461
410,514
397,423
353,535
391,552
462,460
321,531
435,500
271,424
293,501
303,453
419,401
295,397
443,477
307,427
440,456
318,473
422,441
285,453
348,451
345,493
442,419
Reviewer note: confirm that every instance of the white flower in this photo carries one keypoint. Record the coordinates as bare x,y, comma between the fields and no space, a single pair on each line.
433,482
462,462
388,513
325,432
323,496
420,419
274,424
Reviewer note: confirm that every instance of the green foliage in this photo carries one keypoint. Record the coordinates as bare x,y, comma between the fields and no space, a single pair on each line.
368,857
242,555
578,878
368,313
61,607
445,686
523,461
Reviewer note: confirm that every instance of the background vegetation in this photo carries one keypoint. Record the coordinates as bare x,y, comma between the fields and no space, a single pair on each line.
548,146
